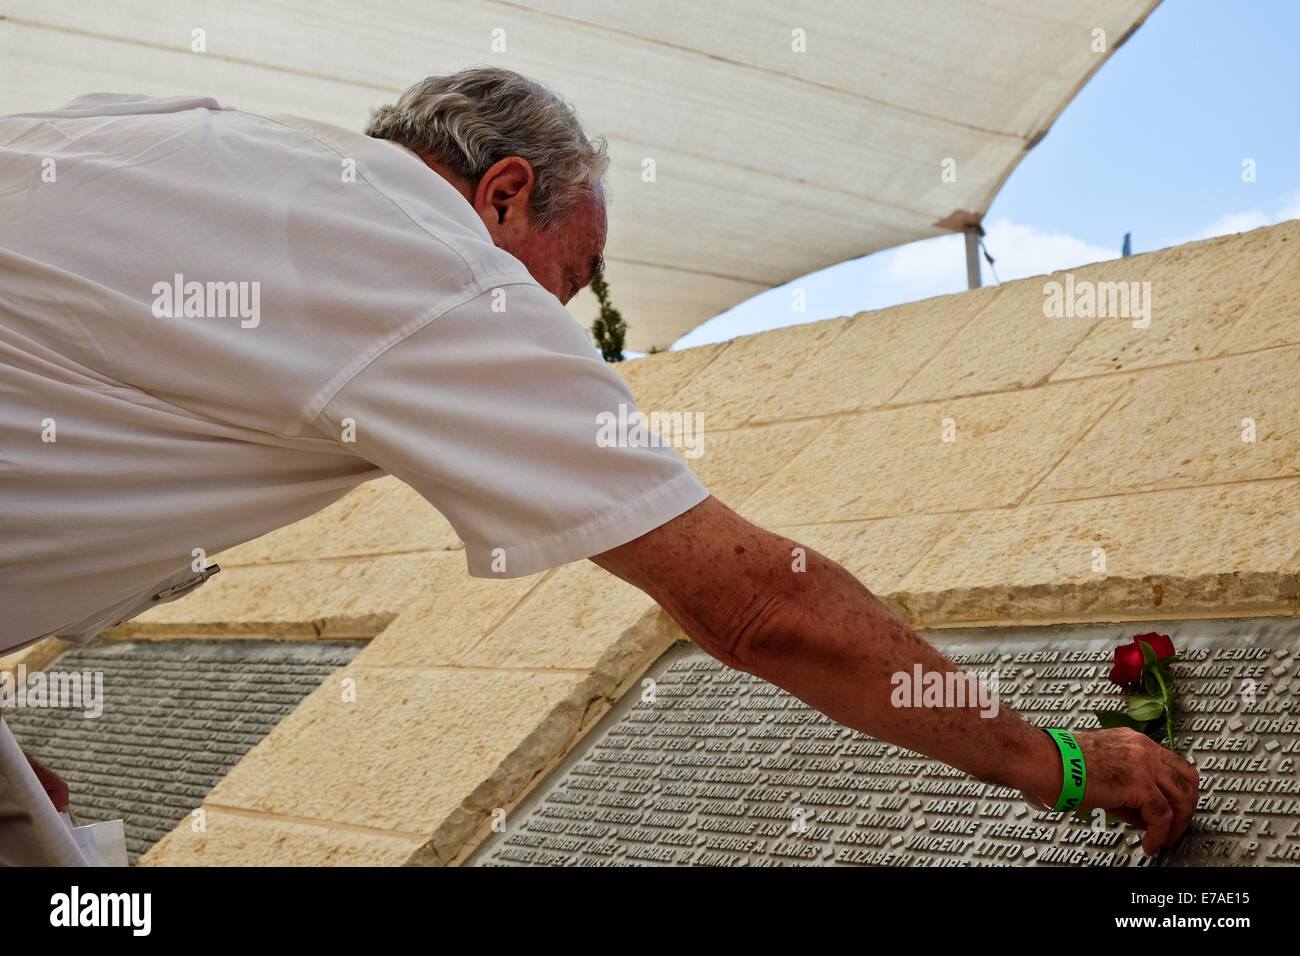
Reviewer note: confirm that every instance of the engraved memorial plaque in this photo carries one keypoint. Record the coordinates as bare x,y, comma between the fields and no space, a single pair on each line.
700,765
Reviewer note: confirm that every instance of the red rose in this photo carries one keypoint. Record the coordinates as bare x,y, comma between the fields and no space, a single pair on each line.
1160,643
1128,657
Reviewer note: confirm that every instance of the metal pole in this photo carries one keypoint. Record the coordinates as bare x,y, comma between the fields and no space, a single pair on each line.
973,256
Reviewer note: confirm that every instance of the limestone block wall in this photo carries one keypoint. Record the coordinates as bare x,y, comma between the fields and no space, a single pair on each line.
1075,439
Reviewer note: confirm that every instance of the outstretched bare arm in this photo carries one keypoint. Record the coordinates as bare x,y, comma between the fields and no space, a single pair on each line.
822,636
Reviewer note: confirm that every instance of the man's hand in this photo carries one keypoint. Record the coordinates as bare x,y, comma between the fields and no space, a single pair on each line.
55,786
1132,777
822,636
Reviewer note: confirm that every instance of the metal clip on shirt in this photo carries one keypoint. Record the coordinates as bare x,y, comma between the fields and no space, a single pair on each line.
189,584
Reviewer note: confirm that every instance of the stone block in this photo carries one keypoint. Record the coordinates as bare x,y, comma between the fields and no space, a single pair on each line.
1183,426
878,553
383,516
756,375
241,839
656,378
566,622
894,462
336,599
449,613
404,755
1272,318
735,464
1011,344
1209,552
875,356
1198,292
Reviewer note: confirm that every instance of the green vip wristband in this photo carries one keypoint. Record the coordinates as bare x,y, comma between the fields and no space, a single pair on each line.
1073,775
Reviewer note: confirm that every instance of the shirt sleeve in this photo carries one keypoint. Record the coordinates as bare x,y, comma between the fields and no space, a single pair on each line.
505,417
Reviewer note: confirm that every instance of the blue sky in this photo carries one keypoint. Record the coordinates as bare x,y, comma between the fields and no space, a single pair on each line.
1152,145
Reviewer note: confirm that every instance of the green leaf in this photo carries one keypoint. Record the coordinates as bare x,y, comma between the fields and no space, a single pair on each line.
1148,653
1116,718
1151,682
1141,707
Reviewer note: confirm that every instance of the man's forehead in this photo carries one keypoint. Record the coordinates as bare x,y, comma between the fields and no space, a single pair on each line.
593,232
597,219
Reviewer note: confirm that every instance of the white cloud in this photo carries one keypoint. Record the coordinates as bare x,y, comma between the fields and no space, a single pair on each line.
1235,222
1290,207
1018,251
1022,251
1249,219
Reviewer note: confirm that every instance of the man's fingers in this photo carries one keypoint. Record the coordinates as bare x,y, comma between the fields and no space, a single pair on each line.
1159,817
55,786
1152,788
1186,771
1181,796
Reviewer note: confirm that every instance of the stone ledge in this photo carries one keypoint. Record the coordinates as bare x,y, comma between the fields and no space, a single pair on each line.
1195,552
234,838
415,738
619,668
35,656
1152,597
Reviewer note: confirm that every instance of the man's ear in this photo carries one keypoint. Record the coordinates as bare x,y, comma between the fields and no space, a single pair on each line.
504,190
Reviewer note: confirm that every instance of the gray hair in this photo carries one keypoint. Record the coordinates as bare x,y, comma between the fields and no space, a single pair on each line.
477,117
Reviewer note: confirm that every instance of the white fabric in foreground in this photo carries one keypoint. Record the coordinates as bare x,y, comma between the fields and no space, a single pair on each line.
32,832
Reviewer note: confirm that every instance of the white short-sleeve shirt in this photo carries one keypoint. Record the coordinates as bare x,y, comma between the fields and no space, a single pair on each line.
214,323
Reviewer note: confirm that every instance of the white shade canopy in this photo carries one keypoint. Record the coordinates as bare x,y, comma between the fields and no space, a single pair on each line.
751,141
